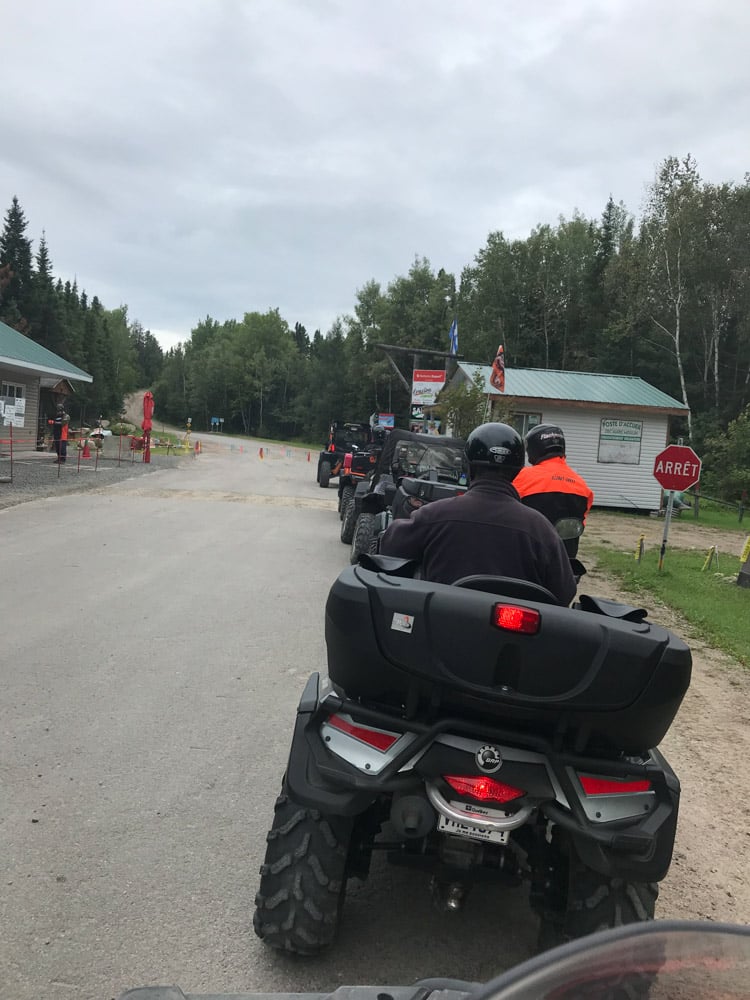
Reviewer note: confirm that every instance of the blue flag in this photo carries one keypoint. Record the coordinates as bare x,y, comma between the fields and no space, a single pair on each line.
453,336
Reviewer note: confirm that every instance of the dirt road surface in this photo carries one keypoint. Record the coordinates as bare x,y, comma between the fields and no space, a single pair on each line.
709,743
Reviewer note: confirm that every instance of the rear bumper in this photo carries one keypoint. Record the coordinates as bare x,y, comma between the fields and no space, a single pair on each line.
635,849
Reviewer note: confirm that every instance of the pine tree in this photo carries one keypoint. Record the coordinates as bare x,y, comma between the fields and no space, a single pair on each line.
15,252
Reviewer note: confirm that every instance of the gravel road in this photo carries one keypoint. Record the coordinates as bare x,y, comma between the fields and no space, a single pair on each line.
158,626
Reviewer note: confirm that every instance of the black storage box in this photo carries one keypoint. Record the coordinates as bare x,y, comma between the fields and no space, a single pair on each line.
588,679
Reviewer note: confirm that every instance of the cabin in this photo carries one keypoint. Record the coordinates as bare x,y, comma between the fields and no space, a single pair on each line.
614,425
32,378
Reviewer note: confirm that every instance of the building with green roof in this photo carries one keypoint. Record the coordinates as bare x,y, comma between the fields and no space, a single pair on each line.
25,369
614,425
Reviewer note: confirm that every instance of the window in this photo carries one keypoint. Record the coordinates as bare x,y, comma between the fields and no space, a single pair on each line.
523,422
11,391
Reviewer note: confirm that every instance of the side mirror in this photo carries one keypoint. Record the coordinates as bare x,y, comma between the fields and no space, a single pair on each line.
569,528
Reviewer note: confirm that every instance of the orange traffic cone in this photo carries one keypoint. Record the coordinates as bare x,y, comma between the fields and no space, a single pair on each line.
86,449
260,453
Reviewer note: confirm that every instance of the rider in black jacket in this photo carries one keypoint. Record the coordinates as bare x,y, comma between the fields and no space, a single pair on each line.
487,530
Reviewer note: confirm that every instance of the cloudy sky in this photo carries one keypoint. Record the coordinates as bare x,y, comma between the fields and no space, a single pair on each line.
194,157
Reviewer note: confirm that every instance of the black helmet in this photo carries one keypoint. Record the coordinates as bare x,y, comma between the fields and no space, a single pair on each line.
495,446
545,441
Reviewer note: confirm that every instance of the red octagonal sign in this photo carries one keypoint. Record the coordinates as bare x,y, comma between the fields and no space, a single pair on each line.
677,467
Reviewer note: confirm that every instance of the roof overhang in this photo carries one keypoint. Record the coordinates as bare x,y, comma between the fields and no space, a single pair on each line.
582,404
26,368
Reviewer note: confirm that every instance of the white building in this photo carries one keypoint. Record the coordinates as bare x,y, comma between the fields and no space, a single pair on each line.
614,425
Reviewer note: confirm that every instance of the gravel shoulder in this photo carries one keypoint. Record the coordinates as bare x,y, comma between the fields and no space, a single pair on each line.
709,743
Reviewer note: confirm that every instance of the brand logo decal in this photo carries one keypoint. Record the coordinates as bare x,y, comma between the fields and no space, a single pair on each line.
489,759
402,623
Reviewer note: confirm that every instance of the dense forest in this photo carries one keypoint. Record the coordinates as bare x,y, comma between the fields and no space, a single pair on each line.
664,296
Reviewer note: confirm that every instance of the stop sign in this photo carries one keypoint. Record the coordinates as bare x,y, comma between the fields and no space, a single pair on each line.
677,467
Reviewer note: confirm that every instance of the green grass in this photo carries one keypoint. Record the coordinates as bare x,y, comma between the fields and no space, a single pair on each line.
710,600
710,515
714,515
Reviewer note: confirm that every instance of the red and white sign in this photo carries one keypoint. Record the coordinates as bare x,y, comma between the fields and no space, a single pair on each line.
677,467
425,386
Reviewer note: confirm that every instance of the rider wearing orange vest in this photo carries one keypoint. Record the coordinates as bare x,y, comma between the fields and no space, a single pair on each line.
549,485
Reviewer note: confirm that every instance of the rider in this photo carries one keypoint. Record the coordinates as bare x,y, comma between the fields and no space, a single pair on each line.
549,485
486,531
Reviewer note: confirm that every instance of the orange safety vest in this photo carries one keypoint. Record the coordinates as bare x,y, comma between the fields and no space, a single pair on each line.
555,476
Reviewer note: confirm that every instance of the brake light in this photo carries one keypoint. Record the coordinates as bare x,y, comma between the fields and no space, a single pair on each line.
378,739
483,788
612,786
347,462
512,618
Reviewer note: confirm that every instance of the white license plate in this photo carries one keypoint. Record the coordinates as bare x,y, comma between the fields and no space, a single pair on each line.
446,825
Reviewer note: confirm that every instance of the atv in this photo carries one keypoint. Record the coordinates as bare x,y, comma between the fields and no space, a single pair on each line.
413,469
479,732
359,466
342,438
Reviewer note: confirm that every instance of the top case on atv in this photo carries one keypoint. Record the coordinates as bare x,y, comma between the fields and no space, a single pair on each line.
584,679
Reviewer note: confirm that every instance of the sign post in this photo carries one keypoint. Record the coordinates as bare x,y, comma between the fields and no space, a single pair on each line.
675,468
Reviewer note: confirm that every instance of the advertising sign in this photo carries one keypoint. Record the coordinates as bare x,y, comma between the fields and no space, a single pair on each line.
386,420
425,386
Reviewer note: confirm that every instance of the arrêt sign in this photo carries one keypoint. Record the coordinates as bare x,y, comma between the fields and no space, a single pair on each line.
677,467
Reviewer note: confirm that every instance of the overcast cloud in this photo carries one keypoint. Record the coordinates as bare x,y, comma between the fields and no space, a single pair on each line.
194,157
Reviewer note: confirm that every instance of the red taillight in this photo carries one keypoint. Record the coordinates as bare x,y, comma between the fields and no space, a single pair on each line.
347,462
332,447
375,738
515,619
611,786
482,788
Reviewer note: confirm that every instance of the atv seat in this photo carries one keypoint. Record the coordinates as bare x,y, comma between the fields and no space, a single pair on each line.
521,590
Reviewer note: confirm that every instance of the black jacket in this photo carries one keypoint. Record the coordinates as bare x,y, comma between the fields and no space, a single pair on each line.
485,531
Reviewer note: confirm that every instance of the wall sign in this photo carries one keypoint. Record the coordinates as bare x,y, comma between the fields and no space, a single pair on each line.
620,441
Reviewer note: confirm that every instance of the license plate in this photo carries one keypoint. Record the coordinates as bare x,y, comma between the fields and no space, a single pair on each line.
451,826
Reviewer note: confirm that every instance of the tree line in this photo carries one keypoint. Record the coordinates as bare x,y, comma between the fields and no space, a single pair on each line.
119,354
664,297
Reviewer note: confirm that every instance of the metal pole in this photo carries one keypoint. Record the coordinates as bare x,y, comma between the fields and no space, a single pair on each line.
667,519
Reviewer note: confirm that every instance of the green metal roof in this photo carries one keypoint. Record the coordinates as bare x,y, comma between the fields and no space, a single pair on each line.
580,387
17,351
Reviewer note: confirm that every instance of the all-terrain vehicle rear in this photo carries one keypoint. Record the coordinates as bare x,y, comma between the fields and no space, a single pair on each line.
343,438
359,466
413,470
478,732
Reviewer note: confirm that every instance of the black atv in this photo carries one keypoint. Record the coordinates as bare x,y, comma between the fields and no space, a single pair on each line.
412,470
359,466
479,732
342,439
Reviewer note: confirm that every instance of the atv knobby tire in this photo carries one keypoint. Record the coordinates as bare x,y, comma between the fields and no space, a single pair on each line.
595,902
347,522
363,537
347,495
324,475
303,879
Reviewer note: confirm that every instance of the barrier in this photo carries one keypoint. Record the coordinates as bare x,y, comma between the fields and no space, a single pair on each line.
9,441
